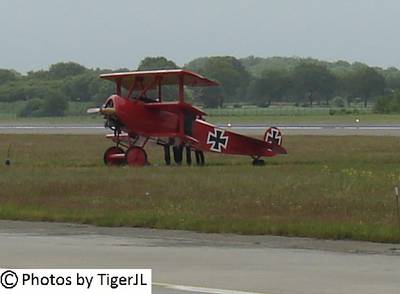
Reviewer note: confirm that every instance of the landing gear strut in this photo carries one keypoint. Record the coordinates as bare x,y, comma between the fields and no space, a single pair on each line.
188,155
167,154
178,155
199,157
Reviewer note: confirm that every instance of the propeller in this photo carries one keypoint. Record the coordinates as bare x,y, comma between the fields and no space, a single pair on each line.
109,113
102,110
93,110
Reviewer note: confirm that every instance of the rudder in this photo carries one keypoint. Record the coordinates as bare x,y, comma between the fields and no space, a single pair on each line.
273,136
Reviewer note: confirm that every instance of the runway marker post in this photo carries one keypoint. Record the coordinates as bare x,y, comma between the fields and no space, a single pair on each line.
396,193
8,160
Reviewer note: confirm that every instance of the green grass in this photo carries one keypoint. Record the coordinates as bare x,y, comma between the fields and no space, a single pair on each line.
309,119
270,115
284,110
268,120
326,187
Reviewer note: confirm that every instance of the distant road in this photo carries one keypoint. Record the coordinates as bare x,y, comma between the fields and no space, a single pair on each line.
288,129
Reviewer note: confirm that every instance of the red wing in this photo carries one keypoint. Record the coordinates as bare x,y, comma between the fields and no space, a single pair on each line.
145,79
175,107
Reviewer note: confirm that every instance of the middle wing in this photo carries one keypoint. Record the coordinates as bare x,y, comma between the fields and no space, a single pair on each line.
174,107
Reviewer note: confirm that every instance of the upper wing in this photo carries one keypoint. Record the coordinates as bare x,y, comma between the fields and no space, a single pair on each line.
140,80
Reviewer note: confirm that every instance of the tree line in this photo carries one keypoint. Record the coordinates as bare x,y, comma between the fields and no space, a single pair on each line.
250,80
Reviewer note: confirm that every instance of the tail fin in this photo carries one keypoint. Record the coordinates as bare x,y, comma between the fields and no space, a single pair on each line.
273,136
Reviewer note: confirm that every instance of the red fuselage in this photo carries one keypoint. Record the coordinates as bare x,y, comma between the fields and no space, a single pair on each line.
181,120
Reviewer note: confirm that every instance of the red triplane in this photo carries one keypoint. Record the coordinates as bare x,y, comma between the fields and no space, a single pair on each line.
135,119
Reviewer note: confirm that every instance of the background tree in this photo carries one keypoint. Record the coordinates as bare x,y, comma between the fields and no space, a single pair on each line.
392,78
100,89
313,81
209,97
366,82
197,64
32,108
154,63
79,87
229,72
257,65
65,69
273,85
55,104
7,76
253,80
388,103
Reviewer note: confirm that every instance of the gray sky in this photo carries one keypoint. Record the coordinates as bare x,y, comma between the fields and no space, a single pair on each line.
119,33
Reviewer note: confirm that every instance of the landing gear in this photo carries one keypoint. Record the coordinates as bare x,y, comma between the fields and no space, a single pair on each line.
136,156
181,151
199,157
178,154
188,155
167,154
114,156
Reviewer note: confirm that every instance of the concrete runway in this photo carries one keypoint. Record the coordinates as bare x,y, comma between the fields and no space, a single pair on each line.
287,129
212,263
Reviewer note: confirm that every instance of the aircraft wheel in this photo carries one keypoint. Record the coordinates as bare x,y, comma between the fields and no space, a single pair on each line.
136,156
108,160
258,162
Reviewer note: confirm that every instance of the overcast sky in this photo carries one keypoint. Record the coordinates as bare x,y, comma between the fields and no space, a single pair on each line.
119,33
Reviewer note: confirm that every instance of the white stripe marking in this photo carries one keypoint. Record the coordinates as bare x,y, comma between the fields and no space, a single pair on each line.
49,127
333,127
201,289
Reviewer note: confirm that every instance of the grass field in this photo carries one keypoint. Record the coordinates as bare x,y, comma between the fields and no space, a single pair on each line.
248,114
268,120
326,187
309,119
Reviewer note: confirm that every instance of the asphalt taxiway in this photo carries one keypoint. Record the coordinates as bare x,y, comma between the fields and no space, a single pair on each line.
207,263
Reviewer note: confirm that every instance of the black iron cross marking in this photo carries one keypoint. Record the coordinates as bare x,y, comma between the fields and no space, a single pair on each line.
274,136
217,140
